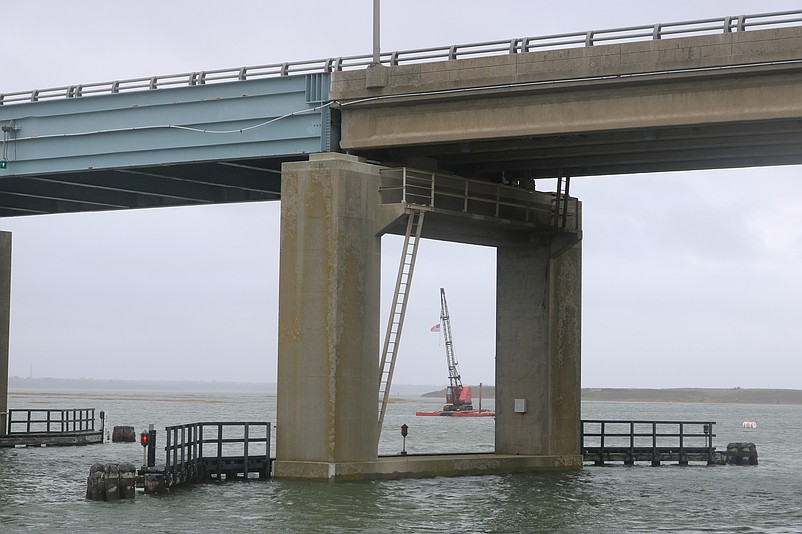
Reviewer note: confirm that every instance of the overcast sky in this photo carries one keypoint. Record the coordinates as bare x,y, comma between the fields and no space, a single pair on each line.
690,279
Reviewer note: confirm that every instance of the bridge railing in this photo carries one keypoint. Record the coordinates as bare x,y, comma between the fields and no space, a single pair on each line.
452,52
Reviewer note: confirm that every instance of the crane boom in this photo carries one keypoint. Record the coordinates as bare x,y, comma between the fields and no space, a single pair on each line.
458,398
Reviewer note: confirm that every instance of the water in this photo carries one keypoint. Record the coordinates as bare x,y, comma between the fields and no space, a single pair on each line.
42,489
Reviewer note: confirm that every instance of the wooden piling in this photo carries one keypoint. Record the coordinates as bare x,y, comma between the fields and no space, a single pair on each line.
123,434
154,483
111,482
741,453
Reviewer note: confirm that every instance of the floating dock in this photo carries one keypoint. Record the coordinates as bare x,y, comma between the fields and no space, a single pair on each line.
656,442
49,428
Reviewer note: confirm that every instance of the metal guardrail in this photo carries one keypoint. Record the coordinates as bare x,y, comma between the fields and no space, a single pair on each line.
489,48
23,421
647,439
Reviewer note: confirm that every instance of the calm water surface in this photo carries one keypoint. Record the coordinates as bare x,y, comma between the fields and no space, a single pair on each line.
42,489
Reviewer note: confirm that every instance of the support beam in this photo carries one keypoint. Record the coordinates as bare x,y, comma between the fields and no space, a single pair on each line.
538,350
328,346
5,313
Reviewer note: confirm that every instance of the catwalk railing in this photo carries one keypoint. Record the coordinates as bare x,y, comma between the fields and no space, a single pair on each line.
475,197
518,45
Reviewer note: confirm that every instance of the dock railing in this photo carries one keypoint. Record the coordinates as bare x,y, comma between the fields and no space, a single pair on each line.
44,421
207,450
651,441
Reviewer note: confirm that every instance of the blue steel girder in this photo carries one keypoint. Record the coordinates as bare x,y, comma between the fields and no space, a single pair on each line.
178,146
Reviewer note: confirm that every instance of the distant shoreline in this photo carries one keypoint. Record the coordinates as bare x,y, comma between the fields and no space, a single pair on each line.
695,395
676,395
19,385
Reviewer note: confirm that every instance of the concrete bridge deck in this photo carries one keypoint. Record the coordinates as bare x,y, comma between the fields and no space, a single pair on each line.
710,101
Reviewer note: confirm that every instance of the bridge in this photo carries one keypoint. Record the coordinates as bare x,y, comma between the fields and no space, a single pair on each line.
479,125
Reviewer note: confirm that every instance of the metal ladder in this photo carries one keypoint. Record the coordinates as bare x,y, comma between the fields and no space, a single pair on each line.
398,310
560,213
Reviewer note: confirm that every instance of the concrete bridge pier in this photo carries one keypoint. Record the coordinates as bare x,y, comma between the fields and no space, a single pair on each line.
328,343
5,313
538,371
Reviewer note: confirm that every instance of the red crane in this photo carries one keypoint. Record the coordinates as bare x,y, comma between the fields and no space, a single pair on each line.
458,397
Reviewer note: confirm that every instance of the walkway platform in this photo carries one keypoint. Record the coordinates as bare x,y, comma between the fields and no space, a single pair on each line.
43,439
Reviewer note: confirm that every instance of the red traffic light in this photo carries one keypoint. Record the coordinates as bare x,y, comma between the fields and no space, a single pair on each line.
143,439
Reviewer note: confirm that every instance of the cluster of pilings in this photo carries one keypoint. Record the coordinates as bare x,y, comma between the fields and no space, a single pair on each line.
741,453
111,482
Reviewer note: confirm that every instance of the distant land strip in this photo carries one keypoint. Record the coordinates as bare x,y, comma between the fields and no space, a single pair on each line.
682,395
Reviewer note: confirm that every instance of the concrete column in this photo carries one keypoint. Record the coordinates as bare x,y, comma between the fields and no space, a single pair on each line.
538,350
328,346
5,313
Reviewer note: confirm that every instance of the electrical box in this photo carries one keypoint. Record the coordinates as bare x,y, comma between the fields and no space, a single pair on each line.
520,405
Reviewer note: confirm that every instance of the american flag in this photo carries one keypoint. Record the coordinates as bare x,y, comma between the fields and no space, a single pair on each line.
435,328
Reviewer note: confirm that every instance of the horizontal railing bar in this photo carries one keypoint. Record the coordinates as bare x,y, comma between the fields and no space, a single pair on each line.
647,422
327,65
643,435
620,449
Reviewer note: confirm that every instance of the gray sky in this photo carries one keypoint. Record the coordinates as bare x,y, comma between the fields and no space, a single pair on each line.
690,279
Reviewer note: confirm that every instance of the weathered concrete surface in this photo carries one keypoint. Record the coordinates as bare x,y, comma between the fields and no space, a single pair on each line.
714,101
538,319
421,466
328,369
5,312
473,464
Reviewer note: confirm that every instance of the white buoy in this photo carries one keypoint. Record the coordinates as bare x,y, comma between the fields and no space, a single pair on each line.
750,424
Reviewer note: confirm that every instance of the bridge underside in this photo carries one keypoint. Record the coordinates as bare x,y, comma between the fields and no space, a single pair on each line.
203,144
188,184
599,153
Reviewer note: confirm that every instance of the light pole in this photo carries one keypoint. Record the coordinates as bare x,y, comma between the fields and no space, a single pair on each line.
376,28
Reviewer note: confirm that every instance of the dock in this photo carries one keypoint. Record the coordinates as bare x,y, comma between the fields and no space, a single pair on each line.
47,428
656,442
208,452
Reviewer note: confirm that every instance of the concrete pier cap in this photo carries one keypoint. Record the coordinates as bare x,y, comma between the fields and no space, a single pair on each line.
328,349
